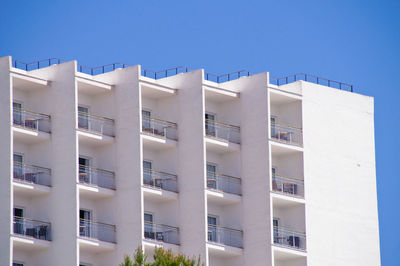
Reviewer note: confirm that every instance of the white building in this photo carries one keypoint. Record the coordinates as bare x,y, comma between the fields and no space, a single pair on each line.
237,170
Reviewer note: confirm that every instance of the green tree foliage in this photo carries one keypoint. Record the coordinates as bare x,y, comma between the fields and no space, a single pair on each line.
161,258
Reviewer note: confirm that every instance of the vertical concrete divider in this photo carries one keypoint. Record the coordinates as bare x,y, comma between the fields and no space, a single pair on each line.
6,211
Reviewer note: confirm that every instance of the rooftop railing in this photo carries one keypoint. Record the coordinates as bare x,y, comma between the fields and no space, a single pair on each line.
289,238
159,127
161,232
164,73
160,180
287,185
32,174
31,120
32,228
226,236
222,131
227,77
224,183
96,177
96,230
96,124
56,61
314,79
287,134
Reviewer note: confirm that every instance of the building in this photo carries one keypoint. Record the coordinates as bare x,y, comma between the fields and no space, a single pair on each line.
239,169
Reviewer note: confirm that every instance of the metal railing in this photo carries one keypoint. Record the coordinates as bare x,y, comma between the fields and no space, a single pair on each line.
287,134
314,79
225,183
160,180
96,177
223,131
56,61
96,230
164,73
32,228
32,174
97,124
161,232
227,77
287,185
289,238
159,127
31,120
226,236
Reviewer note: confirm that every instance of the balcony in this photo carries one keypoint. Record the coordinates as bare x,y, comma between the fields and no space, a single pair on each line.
32,228
221,131
287,134
288,186
92,176
289,238
159,128
224,183
225,236
31,174
31,120
160,180
96,124
97,231
161,232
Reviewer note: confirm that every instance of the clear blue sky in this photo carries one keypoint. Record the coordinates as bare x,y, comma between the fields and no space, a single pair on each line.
351,41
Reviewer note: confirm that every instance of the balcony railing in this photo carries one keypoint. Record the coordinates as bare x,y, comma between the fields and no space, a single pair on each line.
32,174
96,124
159,127
225,183
96,177
287,134
222,131
161,232
289,238
226,236
160,180
32,228
96,230
288,185
31,120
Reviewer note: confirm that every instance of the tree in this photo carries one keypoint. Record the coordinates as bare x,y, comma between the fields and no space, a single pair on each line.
161,257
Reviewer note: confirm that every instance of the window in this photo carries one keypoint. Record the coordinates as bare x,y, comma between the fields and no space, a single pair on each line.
212,228
85,223
210,124
17,114
18,220
18,264
147,173
273,126
83,117
18,167
148,225
146,120
211,176
277,239
84,170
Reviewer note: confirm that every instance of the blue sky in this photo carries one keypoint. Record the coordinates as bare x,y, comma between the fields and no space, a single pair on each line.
357,42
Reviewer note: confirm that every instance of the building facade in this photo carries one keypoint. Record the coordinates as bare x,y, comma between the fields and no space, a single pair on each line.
234,169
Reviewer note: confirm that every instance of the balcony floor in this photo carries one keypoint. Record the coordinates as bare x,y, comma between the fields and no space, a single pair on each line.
93,192
220,146
30,189
158,195
93,139
94,246
283,253
155,142
221,198
29,136
223,250
28,243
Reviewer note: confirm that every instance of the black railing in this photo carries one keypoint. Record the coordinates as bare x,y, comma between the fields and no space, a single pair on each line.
165,73
55,61
314,79
227,77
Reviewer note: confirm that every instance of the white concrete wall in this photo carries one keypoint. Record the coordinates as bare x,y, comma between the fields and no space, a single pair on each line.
6,193
340,181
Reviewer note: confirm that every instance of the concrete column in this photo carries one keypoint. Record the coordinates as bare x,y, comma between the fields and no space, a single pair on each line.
5,162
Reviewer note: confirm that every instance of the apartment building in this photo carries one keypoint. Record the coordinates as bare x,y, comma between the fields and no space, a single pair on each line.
239,169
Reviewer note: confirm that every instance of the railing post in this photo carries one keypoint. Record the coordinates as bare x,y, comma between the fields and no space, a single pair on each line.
305,77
